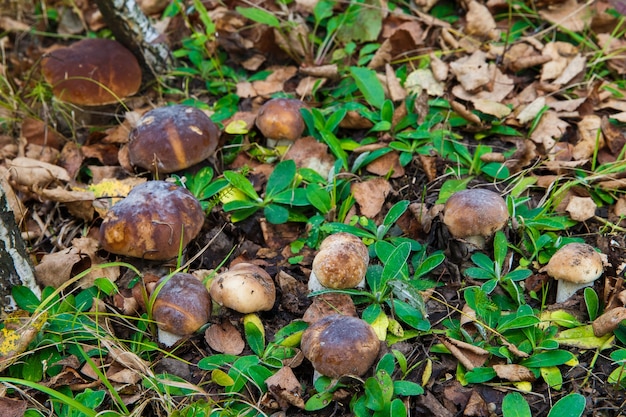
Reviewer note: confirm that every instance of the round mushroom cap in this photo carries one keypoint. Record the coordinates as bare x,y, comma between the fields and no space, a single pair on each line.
151,222
182,306
92,72
341,261
172,138
340,345
280,119
245,288
578,263
475,212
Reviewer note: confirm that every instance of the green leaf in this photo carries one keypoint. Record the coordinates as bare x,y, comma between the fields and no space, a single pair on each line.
387,363
395,212
106,286
410,315
397,408
480,375
319,198
221,378
572,405
276,214
259,15
25,298
552,358
592,302
553,377
368,84
254,337
514,405
318,401
216,361
360,23
374,395
582,337
407,388
430,263
241,183
396,261
500,248
483,261
292,197
335,147
282,176
237,205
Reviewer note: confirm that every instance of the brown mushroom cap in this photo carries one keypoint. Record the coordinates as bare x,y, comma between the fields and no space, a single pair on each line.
92,72
341,261
340,345
172,138
475,212
280,119
151,222
245,288
578,263
182,306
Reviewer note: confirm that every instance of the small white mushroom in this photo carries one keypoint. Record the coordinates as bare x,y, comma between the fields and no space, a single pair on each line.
575,266
245,288
340,263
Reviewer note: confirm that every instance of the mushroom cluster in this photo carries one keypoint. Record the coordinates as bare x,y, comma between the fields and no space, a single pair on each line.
153,222
168,139
474,215
182,305
340,263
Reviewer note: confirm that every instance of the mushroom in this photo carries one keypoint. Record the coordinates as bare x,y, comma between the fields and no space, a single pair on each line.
168,139
245,288
92,72
153,222
340,263
181,306
340,345
575,266
475,215
280,121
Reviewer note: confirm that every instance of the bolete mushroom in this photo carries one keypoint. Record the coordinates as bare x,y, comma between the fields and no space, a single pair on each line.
153,222
92,72
575,266
245,288
340,263
181,306
168,139
280,121
340,345
474,215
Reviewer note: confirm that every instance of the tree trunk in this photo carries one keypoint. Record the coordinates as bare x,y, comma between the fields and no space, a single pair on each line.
15,265
133,29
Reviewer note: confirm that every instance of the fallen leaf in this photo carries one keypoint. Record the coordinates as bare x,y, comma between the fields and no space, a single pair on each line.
370,195
609,321
514,373
581,208
285,388
225,338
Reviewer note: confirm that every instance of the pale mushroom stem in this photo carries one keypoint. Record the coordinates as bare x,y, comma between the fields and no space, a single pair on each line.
168,339
565,289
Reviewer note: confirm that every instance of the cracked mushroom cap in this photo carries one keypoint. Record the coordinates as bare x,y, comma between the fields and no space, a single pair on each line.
92,72
183,304
280,120
340,345
340,263
475,213
151,222
172,138
575,266
245,288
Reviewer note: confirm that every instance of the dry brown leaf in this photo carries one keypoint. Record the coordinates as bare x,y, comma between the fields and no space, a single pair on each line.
19,330
476,406
370,195
396,91
514,373
472,71
575,67
497,89
423,79
549,130
309,153
530,111
439,68
307,85
469,355
569,14
493,108
389,162
12,407
591,137
480,21
581,208
32,173
609,321
560,54
224,338
613,51
285,388
465,113
406,36
295,293
614,136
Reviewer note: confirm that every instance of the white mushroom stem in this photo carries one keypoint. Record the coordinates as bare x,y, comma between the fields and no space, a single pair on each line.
315,285
275,143
565,289
168,339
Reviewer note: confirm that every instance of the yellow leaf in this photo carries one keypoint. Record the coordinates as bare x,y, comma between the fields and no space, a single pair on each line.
256,321
380,325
